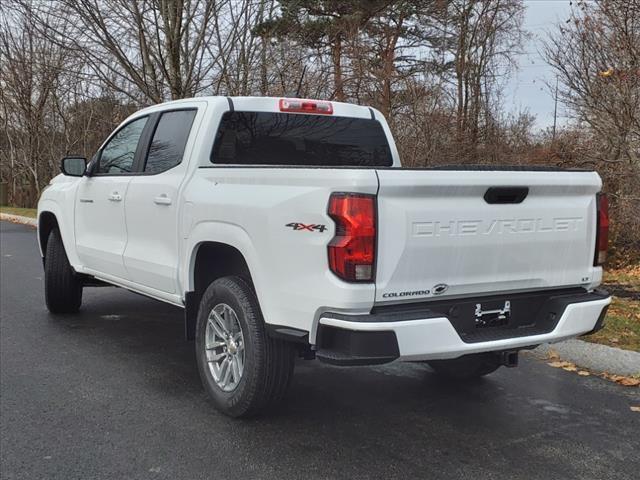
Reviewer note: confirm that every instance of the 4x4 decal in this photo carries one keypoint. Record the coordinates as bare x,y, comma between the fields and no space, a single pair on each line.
311,227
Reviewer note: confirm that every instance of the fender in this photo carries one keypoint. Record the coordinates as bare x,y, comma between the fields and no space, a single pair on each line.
67,230
235,236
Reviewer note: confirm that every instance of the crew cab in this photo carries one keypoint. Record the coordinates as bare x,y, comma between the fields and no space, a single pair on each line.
287,227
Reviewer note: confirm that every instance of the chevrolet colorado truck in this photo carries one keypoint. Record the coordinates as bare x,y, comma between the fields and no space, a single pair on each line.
286,227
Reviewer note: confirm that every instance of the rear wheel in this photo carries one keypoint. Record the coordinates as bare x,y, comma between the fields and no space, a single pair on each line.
467,367
242,369
62,287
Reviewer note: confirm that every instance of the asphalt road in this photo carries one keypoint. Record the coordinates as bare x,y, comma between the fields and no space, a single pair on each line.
113,392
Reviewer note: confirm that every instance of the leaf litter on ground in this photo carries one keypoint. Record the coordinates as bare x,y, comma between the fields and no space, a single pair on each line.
571,367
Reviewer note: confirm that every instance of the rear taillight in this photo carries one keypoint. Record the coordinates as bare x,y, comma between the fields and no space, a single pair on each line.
352,251
602,229
305,106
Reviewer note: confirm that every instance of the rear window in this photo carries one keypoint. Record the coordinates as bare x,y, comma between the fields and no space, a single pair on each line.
265,138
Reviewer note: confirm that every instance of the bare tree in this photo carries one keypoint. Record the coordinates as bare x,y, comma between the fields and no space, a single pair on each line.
479,40
30,72
238,51
384,54
325,26
149,50
596,56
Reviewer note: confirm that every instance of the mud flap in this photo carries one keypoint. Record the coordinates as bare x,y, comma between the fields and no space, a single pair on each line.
191,301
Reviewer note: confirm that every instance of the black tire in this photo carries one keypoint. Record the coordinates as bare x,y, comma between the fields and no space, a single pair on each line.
466,367
268,363
62,287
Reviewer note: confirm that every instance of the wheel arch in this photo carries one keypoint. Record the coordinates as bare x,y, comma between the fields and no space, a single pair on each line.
51,215
212,260
208,261
47,221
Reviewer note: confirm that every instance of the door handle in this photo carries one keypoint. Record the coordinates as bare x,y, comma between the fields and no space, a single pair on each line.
162,200
115,197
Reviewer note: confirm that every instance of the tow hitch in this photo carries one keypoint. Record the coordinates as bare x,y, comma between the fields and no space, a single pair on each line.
492,318
508,359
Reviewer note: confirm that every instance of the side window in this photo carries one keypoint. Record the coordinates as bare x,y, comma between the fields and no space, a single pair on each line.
118,154
169,140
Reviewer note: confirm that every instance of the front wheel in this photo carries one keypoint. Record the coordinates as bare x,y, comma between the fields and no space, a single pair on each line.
242,369
466,367
62,287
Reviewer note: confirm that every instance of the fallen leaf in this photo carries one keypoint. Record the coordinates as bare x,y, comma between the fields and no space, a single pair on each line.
606,73
629,382
635,409
560,364
622,380
583,373
570,368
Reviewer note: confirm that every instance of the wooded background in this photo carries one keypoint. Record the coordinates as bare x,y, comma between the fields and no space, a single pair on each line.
71,70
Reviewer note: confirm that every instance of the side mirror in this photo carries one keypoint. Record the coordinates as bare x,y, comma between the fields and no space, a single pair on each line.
73,166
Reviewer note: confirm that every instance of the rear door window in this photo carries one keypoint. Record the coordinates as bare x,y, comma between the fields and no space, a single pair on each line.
265,138
169,140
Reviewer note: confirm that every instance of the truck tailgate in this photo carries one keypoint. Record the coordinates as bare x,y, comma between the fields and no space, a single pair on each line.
439,237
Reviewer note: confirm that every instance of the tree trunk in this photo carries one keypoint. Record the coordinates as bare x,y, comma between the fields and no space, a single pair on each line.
336,56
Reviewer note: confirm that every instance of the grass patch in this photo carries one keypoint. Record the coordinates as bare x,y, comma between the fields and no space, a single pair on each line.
25,212
629,277
622,325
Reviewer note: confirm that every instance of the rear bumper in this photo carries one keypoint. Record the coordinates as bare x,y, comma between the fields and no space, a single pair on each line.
428,335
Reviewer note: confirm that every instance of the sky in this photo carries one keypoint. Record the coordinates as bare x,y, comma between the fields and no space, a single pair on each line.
526,90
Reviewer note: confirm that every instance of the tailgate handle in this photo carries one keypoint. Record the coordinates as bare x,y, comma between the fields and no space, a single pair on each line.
506,194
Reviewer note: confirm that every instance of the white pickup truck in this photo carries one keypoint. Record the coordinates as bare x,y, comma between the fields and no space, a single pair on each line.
286,227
